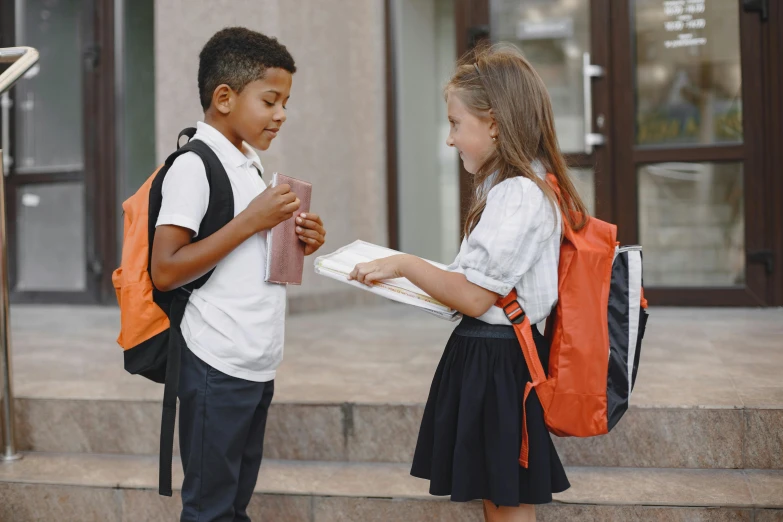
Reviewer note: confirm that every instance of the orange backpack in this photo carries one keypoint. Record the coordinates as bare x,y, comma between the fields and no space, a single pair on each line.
595,334
149,318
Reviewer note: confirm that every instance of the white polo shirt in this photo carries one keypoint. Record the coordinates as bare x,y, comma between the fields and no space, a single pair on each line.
516,244
236,321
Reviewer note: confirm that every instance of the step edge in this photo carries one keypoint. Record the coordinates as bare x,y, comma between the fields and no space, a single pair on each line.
414,497
338,404
135,485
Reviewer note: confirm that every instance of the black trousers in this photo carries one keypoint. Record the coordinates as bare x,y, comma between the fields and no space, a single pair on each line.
221,432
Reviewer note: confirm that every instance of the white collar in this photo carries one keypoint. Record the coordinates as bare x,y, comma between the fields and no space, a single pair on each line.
538,168
226,150
536,165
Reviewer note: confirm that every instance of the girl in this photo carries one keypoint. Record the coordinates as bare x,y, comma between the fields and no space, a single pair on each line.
501,123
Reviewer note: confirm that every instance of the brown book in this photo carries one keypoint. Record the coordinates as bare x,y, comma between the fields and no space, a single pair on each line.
284,250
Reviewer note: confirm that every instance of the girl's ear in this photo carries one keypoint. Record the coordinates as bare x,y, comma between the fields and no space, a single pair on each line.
493,124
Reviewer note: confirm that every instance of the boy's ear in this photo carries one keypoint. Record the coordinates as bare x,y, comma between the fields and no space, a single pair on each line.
223,98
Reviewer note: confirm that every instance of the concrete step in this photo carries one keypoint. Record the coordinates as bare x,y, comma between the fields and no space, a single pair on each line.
109,488
684,437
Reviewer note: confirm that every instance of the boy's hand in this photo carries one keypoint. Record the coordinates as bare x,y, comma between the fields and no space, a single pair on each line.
311,231
271,207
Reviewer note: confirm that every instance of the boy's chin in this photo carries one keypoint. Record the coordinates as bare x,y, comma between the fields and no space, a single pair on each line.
260,144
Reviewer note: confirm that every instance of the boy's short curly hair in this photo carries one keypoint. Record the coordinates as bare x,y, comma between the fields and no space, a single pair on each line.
236,56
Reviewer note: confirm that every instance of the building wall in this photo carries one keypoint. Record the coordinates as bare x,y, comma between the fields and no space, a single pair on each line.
334,136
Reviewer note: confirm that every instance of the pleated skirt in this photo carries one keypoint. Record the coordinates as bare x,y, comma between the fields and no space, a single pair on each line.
471,432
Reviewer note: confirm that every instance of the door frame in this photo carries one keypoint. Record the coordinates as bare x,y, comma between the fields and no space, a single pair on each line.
99,162
471,18
390,109
773,65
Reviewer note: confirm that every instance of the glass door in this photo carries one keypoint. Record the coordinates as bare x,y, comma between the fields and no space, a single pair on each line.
46,116
690,175
567,41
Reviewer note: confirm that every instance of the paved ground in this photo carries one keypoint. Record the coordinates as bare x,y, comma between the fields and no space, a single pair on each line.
387,354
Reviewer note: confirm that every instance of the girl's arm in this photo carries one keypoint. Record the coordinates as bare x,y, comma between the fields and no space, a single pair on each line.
450,288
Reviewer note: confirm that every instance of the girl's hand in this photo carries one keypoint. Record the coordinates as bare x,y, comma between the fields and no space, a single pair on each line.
311,232
379,270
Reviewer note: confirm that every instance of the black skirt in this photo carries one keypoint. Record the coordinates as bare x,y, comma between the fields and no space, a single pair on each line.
471,433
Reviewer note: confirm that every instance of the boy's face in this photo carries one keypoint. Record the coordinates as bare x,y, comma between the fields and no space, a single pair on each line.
259,110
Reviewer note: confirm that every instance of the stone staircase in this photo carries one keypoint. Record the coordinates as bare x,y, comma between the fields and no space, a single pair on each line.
703,442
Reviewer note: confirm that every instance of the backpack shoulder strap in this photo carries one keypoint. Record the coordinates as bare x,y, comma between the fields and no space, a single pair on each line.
170,387
189,132
523,329
220,209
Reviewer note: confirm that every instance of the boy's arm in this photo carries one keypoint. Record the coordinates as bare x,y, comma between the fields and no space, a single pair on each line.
176,261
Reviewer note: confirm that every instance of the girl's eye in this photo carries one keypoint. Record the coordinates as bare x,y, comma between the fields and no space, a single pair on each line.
269,104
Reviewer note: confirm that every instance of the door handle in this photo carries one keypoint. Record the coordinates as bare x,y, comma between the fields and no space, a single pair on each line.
757,6
764,257
590,71
5,105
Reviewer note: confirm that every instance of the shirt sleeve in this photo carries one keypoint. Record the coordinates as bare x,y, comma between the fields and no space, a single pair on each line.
510,236
185,193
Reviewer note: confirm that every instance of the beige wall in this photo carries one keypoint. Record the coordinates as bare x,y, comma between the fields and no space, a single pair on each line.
334,136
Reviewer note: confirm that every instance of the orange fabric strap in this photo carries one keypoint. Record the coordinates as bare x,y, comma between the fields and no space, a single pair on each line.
523,329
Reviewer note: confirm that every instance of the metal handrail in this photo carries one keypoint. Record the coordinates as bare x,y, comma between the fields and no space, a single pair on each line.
22,59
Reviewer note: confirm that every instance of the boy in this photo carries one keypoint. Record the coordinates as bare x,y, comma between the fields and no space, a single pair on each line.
233,326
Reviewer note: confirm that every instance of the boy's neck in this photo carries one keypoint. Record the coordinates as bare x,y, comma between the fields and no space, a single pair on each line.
221,125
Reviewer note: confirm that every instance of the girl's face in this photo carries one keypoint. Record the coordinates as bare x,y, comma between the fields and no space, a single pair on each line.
471,135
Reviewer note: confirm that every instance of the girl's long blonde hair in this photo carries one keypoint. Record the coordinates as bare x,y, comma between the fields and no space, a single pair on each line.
501,79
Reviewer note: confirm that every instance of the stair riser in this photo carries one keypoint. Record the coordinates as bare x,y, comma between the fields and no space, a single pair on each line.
664,438
34,502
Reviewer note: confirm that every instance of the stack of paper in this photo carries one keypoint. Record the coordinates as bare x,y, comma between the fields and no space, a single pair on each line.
341,263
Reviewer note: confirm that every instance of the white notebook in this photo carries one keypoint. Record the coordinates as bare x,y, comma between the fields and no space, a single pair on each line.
341,263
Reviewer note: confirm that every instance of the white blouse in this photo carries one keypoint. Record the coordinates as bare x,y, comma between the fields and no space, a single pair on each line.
516,243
